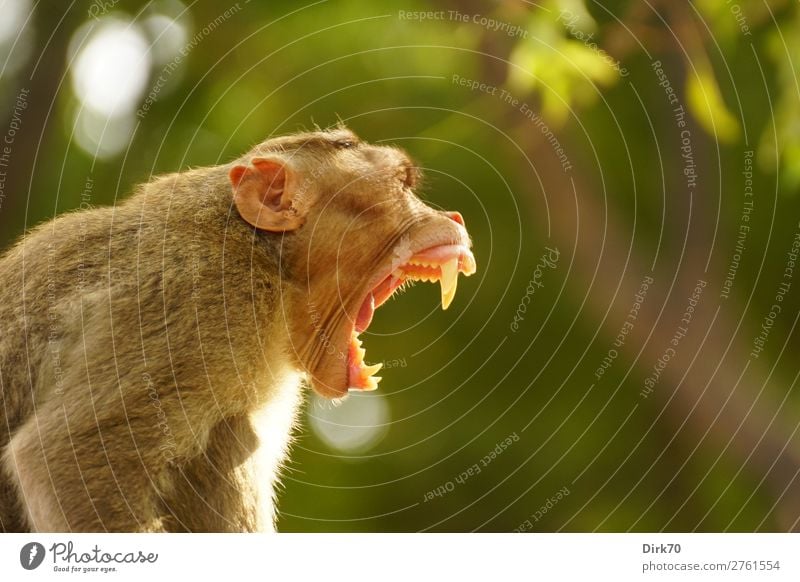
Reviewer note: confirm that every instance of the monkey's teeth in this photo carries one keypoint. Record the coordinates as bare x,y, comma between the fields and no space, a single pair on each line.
468,266
370,370
360,351
420,263
372,383
449,281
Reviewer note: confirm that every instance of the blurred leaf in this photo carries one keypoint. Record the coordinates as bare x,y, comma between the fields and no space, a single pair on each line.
705,101
718,15
563,71
577,13
790,173
779,146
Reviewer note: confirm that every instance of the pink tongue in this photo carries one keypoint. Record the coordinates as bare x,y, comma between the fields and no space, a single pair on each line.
365,314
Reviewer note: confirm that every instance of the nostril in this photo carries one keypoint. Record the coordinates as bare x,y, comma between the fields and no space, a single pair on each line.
456,217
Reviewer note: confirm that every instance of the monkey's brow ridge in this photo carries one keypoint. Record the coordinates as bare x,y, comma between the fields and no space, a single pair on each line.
310,141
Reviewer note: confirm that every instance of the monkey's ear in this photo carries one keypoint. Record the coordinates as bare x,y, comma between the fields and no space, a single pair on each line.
263,192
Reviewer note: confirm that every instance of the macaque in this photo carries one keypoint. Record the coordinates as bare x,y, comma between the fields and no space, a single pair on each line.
153,354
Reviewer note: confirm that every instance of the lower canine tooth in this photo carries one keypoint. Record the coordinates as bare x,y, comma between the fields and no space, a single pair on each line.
449,281
370,370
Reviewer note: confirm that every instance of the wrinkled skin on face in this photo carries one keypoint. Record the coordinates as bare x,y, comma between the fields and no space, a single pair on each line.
354,231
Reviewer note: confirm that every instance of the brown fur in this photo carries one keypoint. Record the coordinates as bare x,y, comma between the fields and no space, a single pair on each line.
150,353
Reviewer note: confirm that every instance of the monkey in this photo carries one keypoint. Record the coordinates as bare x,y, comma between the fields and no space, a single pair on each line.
154,354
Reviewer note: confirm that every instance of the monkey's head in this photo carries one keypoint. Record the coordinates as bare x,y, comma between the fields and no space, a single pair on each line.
353,232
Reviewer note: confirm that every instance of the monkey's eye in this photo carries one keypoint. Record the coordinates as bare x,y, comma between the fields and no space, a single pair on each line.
344,144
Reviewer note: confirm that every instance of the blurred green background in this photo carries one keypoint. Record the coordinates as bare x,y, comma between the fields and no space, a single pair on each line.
639,141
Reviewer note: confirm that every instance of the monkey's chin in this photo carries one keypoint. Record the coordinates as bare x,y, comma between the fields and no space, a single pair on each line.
326,391
441,263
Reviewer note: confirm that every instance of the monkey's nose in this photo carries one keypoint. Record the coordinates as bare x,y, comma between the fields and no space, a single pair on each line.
456,217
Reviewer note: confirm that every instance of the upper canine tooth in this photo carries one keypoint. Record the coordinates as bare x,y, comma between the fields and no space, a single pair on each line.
468,264
449,281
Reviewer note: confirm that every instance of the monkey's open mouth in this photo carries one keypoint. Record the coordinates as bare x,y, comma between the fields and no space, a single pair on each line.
441,263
